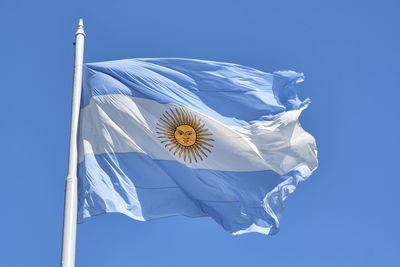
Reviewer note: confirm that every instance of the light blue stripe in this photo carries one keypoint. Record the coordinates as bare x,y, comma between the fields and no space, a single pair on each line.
167,188
230,93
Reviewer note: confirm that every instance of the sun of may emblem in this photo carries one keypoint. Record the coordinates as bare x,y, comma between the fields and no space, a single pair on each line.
183,133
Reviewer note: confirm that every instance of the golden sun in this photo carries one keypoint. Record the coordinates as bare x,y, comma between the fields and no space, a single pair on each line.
183,132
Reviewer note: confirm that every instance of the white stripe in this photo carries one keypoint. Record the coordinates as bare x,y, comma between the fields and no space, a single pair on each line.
119,124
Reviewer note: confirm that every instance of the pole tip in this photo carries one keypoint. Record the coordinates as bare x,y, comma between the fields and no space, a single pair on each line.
80,28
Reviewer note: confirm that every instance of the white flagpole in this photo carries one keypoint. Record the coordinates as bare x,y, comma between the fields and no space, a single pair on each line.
71,185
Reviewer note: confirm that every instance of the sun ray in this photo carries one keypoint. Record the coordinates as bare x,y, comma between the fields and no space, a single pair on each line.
197,122
201,127
191,122
201,135
165,123
169,144
202,146
191,150
199,149
197,153
163,132
177,149
206,139
179,114
176,144
188,153
184,153
172,117
164,128
186,116
183,113
168,139
202,131
169,121
204,142
180,151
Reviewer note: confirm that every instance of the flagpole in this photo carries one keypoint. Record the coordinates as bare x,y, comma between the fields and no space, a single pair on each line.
71,185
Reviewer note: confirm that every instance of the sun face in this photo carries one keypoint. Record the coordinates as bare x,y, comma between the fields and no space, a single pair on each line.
184,134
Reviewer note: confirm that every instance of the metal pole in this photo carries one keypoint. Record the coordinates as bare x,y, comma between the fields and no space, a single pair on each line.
71,185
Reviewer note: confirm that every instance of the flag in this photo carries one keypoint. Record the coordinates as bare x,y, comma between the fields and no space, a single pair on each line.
164,137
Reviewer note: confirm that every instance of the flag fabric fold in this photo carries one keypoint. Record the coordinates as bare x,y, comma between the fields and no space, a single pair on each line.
165,137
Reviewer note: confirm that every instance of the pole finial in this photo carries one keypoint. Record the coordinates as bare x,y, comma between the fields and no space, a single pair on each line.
80,28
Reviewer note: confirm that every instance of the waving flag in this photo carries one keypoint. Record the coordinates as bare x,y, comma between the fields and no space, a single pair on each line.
164,137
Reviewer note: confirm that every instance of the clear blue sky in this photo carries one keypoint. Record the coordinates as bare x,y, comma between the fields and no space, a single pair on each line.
346,214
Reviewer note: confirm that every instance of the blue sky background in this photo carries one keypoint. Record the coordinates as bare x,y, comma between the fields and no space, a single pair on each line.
346,214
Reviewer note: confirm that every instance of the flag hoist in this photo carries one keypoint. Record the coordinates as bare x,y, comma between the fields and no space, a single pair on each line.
71,186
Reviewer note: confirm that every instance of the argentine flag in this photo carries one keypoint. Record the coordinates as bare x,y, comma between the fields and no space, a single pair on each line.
165,137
